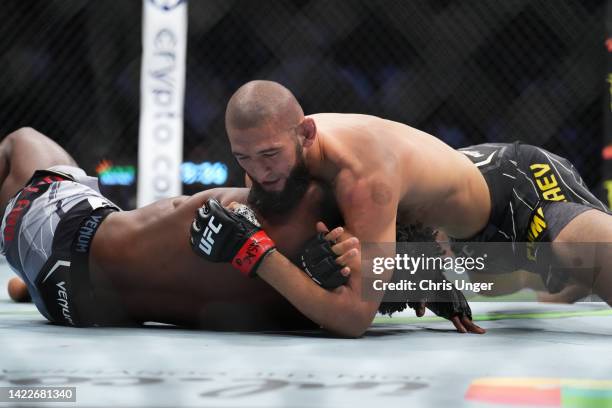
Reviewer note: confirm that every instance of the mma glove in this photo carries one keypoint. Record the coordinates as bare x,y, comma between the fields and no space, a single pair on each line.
456,305
318,260
219,235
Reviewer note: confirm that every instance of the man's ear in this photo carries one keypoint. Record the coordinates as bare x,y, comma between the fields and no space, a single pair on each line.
308,130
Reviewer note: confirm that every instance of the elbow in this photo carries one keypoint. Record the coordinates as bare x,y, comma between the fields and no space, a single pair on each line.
360,322
354,332
352,326
347,332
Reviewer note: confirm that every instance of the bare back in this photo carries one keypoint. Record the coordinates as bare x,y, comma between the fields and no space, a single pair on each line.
424,178
143,257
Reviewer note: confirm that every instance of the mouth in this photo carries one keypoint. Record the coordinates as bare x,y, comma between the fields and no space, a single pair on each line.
271,184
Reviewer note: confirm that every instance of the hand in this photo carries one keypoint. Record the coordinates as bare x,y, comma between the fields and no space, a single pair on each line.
324,259
345,246
219,235
457,311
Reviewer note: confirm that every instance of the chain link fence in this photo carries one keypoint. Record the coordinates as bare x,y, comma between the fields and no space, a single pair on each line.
468,72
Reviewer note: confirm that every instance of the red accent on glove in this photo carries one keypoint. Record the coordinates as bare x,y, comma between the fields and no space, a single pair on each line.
252,252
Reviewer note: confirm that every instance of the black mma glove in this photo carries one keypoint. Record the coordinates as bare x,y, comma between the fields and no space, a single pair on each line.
219,235
456,306
318,260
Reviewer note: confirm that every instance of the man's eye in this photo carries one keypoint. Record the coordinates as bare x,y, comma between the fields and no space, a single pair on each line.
270,154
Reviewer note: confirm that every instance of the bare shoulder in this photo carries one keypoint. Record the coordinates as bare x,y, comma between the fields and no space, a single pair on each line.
369,140
341,123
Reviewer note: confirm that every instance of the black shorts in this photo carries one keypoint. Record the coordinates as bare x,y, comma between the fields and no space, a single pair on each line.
534,195
64,283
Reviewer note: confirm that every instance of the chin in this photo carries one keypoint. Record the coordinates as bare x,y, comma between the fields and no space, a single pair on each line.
278,189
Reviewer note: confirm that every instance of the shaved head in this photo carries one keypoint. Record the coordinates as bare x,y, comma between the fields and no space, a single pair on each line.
262,102
269,137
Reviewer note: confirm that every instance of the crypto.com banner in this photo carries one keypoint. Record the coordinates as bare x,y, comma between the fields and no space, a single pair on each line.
162,88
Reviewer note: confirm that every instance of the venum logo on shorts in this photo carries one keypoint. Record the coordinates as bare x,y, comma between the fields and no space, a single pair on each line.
62,301
54,291
207,241
86,233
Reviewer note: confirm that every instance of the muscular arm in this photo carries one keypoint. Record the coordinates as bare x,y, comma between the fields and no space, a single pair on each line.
337,311
343,311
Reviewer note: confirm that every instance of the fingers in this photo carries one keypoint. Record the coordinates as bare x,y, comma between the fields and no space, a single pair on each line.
465,325
471,326
347,256
346,250
202,212
195,226
334,235
345,246
232,206
321,227
458,325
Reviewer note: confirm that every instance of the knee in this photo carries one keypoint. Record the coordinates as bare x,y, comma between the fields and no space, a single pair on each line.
19,136
25,132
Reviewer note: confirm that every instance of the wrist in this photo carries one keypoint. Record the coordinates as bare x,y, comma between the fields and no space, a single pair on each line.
254,250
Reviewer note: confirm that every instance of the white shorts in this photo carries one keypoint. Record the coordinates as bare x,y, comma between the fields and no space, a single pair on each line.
41,230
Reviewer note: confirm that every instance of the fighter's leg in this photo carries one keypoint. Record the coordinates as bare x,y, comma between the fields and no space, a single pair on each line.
21,153
587,240
575,221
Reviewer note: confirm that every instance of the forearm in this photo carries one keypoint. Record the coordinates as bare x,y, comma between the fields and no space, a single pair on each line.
220,235
341,311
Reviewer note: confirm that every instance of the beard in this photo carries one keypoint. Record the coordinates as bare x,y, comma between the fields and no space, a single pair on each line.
278,203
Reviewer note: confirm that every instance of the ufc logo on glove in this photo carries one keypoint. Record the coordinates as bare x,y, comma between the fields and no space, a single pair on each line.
241,242
207,240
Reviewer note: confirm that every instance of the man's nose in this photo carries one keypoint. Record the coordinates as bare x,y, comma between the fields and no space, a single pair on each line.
262,171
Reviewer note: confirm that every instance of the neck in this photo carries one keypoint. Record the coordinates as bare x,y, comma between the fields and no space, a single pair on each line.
320,164
315,157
